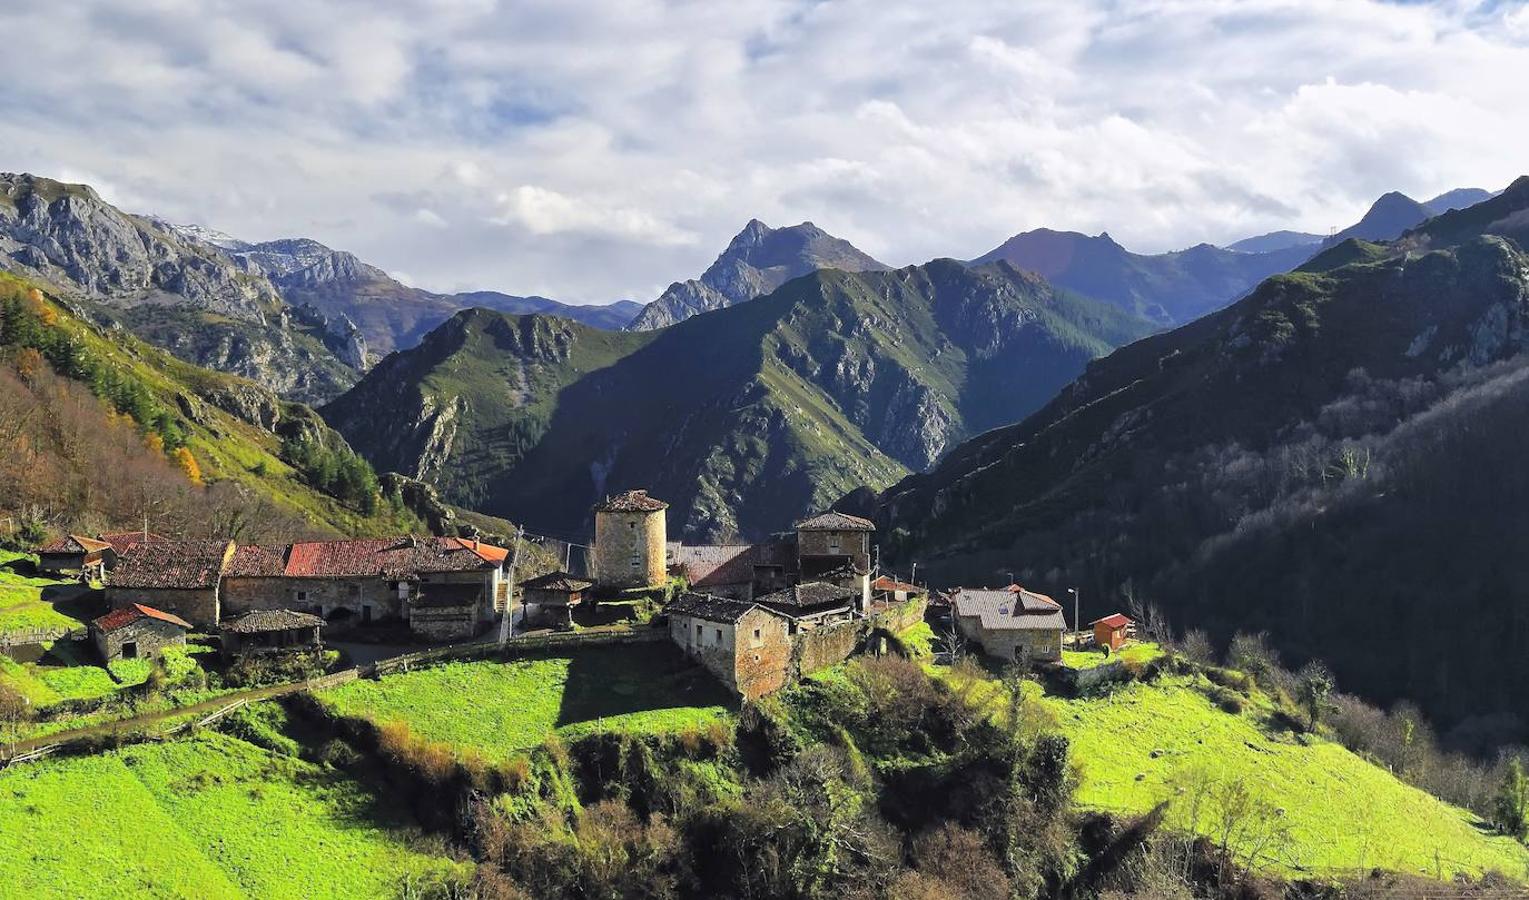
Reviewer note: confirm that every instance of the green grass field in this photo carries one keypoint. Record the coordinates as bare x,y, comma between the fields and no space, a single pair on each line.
204,817
1142,744
500,708
1136,651
22,606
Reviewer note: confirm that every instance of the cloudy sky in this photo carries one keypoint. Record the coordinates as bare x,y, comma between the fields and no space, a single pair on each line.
595,150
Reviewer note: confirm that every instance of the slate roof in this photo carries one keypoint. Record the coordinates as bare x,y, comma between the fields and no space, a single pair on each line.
557,581
705,606
127,615
808,596
263,620
1007,610
631,501
713,565
75,543
1113,620
181,565
835,521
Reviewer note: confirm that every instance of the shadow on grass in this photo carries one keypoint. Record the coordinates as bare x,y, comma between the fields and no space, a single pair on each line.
76,602
21,566
613,681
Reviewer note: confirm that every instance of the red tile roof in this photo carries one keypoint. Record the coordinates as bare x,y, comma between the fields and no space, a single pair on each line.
252,561
888,583
127,615
388,557
1030,596
1113,620
181,565
122,541
75,543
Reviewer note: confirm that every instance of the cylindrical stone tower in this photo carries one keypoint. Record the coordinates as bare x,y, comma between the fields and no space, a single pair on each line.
629,541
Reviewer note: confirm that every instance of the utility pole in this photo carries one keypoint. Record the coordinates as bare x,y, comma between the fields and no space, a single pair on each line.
913,579
875,560
509,598
1075,621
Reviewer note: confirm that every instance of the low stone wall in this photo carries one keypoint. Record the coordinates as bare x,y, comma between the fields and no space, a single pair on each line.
899,617
827,646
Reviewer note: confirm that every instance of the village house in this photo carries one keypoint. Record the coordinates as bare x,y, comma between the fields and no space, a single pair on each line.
74,554
630,541
745,645
271,631
179,577
444,587
812,604
137,632
1112,631
548,600
1012,624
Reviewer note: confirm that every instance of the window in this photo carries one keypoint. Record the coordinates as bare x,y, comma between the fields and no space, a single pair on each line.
698,633
719,635
833,543
366,612
130,650
758,640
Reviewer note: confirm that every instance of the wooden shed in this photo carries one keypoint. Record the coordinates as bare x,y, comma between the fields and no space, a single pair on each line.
1111,631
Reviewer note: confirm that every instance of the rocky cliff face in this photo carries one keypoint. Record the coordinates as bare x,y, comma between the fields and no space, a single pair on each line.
743,420
758,260
187,295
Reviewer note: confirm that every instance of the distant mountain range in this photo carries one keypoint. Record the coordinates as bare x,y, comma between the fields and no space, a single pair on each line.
758,260
744,418
1334,458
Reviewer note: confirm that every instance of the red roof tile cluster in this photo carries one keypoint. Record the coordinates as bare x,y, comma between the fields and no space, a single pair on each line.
252,561
183,565
122,541
127,615
888,583
389,557
75,543
1113,620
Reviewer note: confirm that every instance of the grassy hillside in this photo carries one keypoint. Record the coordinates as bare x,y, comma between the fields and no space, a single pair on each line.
502,708
1290,803
239,434
205,817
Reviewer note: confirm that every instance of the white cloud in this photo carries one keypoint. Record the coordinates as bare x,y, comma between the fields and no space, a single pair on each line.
605,148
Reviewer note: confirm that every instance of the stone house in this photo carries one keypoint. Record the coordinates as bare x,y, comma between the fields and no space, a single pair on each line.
735,570
812,604
1011,624
833,539
373,580
179,577
629,545
137,632
745,645
549,599
272,631
75,554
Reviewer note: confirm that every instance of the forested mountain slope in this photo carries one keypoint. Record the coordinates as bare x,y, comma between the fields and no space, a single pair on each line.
1333,458
744,418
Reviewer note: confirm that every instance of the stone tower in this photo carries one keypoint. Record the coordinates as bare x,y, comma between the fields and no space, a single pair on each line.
629,541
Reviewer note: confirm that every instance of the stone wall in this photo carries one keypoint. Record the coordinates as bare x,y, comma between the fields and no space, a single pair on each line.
899,617
854,544
151,635
629,549
444,623
827,646
240,595
199,607
1014,644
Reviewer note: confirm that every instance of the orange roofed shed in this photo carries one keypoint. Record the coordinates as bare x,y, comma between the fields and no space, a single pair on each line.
1110,631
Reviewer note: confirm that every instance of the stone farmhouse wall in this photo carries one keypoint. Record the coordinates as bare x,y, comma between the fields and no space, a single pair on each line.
854,544
444,623
1014,644
321,596
629,549
151,635
827,646
200,607
753,656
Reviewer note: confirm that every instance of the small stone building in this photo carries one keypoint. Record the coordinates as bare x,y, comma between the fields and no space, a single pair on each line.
74,554
272,631
833,539
446,611
1112,631
629,549
549,599
180,577
137,632
1012,624
812,604
745,645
